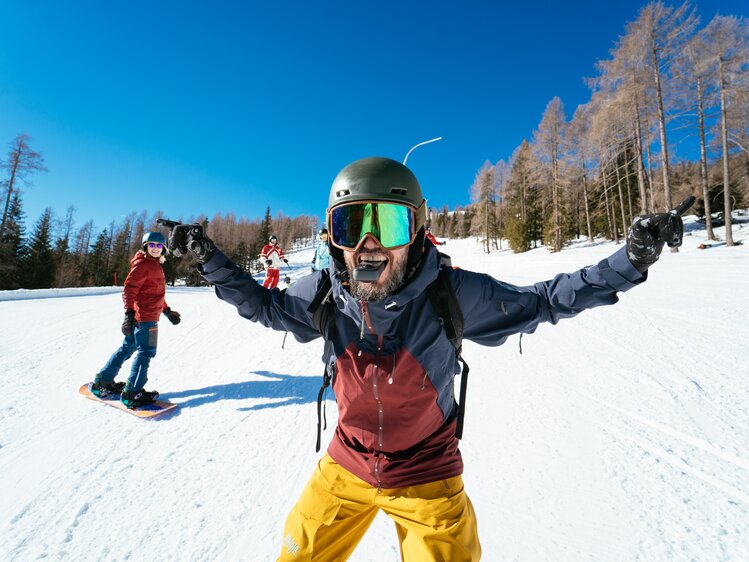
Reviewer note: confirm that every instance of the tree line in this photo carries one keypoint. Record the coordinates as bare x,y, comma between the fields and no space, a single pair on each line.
589,176
57,253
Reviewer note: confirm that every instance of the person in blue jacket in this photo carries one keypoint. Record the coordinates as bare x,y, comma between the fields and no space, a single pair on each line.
321,259
395,446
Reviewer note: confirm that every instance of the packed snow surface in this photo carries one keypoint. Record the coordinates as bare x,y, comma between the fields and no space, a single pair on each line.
621,434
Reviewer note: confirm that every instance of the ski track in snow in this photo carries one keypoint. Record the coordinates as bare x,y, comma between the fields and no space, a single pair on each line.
622,434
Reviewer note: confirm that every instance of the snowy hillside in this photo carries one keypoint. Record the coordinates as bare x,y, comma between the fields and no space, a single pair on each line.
622,434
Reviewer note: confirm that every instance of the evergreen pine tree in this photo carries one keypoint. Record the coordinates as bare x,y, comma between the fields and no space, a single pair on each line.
523,216
39,265
97,270
12,249
266,227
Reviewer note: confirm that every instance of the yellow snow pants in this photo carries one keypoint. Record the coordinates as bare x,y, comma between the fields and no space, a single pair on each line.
434,522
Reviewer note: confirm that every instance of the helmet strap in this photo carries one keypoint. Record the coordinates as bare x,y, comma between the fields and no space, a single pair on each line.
415,253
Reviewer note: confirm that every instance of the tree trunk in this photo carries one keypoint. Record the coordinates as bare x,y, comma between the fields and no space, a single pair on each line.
621,196
724,140
486,221
611,216
16,159
650,186
630,216
703,161
555,202
640,163
662,129
585,202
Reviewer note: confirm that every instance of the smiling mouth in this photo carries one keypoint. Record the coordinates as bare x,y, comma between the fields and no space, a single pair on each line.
369,268
371,262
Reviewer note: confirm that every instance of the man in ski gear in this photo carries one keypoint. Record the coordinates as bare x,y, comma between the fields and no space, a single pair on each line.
321,259
395,447
272,256
143,296
431,238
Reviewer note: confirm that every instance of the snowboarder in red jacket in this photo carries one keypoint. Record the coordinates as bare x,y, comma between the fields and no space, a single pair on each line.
272,256
143,296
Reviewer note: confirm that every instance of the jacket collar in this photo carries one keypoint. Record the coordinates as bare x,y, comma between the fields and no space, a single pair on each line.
383,309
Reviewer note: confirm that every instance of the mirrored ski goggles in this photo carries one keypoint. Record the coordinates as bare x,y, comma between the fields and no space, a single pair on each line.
392,224
158,245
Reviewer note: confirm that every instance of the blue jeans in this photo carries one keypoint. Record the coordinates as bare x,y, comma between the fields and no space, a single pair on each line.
143,339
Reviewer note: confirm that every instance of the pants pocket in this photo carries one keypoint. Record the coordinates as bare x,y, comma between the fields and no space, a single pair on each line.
153,338
318,503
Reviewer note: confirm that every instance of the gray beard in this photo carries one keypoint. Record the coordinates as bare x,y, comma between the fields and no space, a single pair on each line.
370,292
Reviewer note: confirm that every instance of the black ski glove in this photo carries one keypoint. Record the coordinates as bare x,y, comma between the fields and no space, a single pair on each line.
191,237
172,315
128,324
648,233
268,262
286,261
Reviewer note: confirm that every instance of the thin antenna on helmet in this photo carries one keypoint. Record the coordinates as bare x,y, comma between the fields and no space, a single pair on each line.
417,146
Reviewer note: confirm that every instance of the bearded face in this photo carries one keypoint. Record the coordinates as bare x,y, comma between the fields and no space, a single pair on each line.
391,278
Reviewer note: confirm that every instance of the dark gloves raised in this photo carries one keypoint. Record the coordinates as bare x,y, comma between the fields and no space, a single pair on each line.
128,324
648,233
191,237
172,315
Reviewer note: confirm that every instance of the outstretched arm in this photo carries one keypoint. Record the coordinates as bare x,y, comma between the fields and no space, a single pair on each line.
494,310
280,310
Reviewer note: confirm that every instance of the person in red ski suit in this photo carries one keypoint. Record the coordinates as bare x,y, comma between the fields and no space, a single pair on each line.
429,236
272,256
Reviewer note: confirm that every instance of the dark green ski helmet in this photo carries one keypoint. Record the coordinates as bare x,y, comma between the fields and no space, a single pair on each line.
376,179
380,179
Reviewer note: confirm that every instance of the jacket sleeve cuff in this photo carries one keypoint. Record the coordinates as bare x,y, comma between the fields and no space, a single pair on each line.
619,272
218,268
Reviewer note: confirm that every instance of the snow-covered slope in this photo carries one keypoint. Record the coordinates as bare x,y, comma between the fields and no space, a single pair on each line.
622,434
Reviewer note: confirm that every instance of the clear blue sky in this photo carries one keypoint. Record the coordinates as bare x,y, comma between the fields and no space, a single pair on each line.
205,107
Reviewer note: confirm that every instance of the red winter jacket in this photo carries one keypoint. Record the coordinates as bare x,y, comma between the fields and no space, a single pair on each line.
145,287
273,253
432,239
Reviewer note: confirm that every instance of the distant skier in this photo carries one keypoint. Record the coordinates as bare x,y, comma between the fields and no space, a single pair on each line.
143,296
272,257
321,259
431,238
396,446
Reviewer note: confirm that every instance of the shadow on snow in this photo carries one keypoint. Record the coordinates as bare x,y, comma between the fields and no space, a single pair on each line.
284,390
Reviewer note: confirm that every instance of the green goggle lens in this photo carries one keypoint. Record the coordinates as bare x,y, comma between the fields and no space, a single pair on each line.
392,224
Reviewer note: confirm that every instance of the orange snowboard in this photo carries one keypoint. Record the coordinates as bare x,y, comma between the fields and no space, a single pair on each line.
158,408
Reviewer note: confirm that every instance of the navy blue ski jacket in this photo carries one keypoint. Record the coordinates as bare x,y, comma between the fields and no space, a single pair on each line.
392,364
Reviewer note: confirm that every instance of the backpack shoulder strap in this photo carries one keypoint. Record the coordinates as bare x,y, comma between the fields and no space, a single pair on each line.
319,309
447,307
321,312
445,303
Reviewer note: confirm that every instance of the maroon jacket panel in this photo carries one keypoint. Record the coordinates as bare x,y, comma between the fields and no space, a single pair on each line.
387,403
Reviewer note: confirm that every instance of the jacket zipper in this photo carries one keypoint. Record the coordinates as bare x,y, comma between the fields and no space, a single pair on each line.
375,389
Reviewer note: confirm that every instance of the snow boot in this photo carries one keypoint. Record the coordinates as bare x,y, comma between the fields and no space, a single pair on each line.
137,398
106,389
